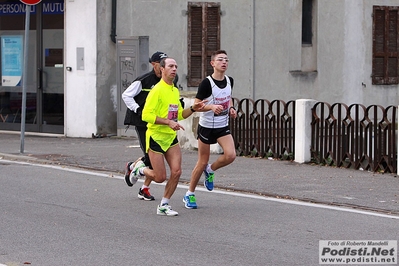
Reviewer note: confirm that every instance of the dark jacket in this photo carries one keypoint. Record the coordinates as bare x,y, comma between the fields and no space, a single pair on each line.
148,81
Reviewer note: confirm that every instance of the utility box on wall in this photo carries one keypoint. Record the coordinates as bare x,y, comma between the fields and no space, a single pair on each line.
132,57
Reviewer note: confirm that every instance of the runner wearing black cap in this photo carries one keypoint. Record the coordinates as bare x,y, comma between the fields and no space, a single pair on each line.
134,97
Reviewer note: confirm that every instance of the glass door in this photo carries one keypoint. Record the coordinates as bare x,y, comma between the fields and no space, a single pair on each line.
51,67
45,77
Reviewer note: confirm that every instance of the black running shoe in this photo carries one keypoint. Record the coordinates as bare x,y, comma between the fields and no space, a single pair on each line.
144,194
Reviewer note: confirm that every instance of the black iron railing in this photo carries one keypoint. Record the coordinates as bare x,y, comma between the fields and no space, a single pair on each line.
351,136
264,128
355,136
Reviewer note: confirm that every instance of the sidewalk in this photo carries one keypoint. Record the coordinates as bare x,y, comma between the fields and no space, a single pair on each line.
311,183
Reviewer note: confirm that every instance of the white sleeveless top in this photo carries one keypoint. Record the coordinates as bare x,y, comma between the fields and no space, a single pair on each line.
220,97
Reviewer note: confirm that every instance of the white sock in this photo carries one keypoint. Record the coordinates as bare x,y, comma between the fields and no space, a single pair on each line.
188,193
141,171
144,186
209,169
164,201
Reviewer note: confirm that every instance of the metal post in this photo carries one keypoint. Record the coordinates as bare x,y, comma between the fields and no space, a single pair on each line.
25,76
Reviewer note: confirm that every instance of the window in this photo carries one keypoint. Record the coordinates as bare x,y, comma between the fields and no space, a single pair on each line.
203,39
309,36
307,6
385,45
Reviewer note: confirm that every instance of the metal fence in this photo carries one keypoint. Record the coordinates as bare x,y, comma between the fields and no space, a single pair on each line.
352,136
263,128
355,136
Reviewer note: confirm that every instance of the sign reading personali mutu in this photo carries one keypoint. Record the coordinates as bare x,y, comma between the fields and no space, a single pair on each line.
31,2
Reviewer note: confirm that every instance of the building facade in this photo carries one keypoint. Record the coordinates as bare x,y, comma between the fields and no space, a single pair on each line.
335,51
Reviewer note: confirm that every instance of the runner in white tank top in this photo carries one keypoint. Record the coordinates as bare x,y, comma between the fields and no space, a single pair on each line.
213,125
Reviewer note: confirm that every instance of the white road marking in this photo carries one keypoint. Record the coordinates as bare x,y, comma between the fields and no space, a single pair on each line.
133,146
243,195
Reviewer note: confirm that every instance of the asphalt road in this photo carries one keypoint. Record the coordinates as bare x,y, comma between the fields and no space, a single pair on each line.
362,190
57,215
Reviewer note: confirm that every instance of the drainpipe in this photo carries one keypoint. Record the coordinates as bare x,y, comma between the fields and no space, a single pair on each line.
253,49
113,22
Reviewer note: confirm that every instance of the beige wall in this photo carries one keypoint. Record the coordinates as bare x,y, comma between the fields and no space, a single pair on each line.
262,38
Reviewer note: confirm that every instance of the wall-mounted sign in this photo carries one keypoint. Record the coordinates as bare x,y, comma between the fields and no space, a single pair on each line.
17,8
31,2
11,60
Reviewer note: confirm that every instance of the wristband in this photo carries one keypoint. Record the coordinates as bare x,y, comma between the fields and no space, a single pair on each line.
192,109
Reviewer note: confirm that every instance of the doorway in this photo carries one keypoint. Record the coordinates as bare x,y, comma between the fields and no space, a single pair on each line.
45,77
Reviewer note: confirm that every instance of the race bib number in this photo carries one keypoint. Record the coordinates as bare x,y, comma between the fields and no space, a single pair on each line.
172,112
225,103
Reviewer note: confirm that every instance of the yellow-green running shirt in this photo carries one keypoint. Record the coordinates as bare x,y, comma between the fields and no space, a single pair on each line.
162,101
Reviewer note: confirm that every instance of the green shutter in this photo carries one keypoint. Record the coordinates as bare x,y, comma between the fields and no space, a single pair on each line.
213,35
385,45
392,47
195,46
203,39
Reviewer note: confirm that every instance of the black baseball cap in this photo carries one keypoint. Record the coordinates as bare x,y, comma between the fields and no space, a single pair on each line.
157,57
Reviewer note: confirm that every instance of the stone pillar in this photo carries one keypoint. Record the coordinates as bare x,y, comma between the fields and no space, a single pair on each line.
303,130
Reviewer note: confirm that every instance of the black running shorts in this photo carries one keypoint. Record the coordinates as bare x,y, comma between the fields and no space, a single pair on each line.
210,135
155,147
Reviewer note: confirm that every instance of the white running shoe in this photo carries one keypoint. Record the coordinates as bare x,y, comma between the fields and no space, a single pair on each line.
166,210
135,173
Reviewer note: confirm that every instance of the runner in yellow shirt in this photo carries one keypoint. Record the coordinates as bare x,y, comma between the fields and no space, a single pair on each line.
162,112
